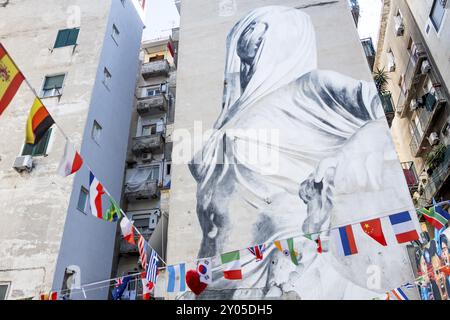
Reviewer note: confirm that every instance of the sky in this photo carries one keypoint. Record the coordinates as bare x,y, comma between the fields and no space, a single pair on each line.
369,20
162,16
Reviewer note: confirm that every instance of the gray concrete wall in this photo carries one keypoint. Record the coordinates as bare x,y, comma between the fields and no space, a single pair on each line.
34,205
87,241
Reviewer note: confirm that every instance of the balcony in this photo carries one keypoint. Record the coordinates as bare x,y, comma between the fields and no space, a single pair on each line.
412,179
386,102
127,248
427,115
437,178
148,106
413,76
142,191
147,144
159,68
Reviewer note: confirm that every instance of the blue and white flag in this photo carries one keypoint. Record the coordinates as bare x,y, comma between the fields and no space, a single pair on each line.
152,268
176,278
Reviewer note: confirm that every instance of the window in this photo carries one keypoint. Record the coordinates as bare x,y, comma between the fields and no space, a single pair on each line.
40,149
151,92
398,24
156,57
148,130
437,14
390,61
66,37
96,131
106,77
4,288
168,169
82,200
53,86
115,34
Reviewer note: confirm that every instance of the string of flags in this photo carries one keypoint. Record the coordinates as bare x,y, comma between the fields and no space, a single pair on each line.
39,121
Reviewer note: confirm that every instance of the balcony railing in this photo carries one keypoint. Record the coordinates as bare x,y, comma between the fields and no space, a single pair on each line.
142,191
127,248
438,177
412,179
426,114
412,77
155,69
152,105
386,101
147,144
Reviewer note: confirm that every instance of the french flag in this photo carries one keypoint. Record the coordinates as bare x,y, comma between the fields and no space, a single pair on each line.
399,294
95,196
71,161
403,227
345,240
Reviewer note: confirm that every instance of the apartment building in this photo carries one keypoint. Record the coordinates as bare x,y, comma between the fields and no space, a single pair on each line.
149,162
414,51
81,57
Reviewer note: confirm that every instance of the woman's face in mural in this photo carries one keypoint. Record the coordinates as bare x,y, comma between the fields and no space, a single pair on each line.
423,266
445,256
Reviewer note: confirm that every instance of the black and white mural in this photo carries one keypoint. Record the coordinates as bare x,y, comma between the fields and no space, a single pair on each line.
335,164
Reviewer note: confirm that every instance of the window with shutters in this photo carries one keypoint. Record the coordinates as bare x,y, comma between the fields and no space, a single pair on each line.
437,14
53,86
96,132
83,200
66,37
40,149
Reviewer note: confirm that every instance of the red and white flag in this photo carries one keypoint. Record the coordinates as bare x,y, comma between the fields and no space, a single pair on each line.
147,287
127,230
95,196
71,161
142,246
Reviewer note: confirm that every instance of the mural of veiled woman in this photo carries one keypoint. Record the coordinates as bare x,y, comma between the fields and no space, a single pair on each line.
334,164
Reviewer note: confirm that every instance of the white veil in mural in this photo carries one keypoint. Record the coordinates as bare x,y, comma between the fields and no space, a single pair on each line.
336,164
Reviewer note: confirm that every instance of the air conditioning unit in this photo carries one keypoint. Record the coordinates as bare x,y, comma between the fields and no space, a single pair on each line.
147,157
414,104
426,67
23,163
433,139
399,26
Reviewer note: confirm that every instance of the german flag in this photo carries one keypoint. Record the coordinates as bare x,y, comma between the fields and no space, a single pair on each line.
39,121
10,79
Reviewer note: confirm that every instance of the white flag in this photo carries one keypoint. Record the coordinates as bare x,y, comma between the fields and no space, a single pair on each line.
204,269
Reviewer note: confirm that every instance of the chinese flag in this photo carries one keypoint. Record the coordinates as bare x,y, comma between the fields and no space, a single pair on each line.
373,229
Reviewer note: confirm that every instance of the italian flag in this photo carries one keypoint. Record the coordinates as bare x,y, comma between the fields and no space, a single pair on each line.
232,265
287,248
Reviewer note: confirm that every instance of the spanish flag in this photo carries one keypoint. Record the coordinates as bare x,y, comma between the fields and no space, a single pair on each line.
10,79
39,121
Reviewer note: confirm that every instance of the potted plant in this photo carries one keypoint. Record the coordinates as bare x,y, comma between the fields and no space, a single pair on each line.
435,157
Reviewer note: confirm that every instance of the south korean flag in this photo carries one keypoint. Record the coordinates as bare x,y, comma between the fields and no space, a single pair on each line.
204,269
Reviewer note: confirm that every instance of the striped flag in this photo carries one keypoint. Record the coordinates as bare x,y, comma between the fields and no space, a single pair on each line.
96,192
232,265
258,251
142,246
344,240
152,269
176,278
409,285
287,248
71,162
38,122
127,229
399,294
10,79
403,227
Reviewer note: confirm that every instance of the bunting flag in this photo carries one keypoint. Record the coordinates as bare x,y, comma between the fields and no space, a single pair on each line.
374,230
317,240
53,295
436,216
399,294
142,246
258,251
204,270
146,288
344,240
232,265
403,227
170,47
120,287
113,214
176,278
152,269
71,161
38,123
287,248
126,226
95,196
10,79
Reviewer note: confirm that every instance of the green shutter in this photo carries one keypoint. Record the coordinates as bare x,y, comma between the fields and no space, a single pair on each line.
41,148
73,36
54,82
27,149
62,37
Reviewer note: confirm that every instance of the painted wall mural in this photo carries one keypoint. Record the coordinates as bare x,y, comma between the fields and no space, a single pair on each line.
335,164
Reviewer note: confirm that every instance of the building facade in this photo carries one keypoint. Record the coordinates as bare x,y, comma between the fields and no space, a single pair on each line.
148,172
262,65
413,50
82,58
